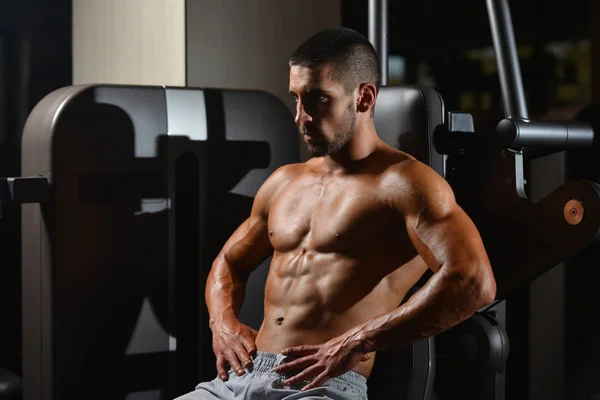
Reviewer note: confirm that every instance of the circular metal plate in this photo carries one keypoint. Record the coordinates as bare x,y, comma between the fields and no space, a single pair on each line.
574,212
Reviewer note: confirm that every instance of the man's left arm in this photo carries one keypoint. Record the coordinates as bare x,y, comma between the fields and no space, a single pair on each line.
463,282
450,244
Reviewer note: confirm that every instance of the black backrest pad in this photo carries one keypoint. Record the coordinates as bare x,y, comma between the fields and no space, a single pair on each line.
406,117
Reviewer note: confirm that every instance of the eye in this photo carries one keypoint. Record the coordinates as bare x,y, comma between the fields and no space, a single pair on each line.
320,98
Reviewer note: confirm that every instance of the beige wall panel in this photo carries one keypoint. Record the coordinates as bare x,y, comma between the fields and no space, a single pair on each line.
129,42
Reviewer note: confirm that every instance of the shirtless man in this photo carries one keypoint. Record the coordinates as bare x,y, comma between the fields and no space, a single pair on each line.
351,231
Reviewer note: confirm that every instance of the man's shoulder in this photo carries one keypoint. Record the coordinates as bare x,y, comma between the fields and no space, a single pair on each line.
402,167
287,172
410,177
282,176
411,168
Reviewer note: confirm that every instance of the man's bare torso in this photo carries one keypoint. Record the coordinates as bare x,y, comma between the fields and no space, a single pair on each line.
341,252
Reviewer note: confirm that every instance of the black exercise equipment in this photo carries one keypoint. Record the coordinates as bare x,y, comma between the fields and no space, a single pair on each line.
119,238
408,117
523,239
535,237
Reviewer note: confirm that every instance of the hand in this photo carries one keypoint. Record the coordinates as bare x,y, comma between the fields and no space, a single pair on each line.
233,342
324,361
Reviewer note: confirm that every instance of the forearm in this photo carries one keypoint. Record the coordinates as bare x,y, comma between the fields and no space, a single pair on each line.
447,299
225,290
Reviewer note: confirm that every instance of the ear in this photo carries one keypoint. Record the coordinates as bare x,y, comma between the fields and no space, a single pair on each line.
367,94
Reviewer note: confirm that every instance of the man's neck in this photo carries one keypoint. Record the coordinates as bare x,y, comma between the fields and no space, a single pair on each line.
364,143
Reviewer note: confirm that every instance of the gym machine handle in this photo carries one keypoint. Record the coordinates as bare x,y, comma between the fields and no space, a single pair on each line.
21,190
558,135
513,133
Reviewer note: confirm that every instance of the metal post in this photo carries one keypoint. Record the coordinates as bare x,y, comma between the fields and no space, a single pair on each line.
509,71
378,34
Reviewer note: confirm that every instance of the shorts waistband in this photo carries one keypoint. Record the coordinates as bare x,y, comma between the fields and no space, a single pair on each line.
266,362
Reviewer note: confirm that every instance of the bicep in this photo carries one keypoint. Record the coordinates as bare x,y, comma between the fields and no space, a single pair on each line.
248,246
439,229
451,239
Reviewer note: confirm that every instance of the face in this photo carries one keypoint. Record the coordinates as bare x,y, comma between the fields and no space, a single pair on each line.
325,114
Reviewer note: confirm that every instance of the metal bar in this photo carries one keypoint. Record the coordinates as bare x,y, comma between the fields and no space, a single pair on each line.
378,34
25,189
559,135
509,70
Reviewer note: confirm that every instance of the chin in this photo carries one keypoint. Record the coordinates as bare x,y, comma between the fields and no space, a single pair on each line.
313,152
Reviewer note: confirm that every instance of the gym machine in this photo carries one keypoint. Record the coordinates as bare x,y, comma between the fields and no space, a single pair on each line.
524,239
117,238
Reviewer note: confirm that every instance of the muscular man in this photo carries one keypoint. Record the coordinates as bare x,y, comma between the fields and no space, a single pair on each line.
351,231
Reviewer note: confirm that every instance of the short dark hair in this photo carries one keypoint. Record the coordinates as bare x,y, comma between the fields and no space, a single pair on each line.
352,56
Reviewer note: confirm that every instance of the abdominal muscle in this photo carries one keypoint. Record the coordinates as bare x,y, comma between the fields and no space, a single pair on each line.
312,297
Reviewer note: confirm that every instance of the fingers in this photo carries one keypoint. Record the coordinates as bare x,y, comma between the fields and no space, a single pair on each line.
221,368
234,362
300,351
295,365
242,354
235,346
318,381
250,347
365,357
304,375
233,356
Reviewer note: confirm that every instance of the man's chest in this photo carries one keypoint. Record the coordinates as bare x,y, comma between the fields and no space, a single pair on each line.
329,217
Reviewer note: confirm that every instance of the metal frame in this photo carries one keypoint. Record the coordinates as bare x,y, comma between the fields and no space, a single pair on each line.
509,70
378,34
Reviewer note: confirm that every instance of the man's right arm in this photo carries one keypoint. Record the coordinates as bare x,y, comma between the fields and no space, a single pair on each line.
245,250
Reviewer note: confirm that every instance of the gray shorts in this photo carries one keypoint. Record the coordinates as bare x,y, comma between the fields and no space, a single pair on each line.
261,382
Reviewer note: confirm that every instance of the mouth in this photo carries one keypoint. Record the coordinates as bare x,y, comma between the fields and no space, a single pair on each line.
311,136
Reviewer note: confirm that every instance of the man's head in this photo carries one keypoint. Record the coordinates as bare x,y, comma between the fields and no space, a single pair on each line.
334,78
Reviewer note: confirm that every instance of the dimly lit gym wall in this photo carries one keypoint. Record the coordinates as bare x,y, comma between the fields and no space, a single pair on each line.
202,43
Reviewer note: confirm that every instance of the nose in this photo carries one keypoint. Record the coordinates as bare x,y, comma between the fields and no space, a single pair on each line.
302,117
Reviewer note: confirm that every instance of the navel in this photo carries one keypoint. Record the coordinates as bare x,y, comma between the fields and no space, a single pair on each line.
279,321
271,232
